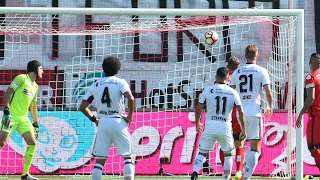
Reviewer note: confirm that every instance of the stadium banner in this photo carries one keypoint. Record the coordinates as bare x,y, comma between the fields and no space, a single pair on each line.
152,88
66,140
50,93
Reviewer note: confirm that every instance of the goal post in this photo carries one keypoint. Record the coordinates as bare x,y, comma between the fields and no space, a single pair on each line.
164,114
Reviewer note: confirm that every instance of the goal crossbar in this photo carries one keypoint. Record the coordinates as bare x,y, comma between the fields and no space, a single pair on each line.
299,13
135,11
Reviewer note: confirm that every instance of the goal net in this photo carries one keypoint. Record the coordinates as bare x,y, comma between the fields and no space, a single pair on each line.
167,64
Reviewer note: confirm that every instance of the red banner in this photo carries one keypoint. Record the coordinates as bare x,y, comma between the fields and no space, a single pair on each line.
50,87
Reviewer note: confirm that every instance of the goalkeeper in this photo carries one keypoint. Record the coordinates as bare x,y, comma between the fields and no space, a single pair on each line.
20,96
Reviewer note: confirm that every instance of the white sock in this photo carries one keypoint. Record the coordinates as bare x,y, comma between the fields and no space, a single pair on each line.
228,161
200,159
97,172
251,163
128,169
245,158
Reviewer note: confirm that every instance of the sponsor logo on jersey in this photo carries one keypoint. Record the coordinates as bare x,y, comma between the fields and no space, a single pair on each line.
28,93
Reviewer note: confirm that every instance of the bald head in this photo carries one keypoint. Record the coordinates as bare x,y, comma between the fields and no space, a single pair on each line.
314,62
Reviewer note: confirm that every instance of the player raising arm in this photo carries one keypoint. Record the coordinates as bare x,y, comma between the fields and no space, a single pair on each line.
220,99
21,96
312,106
248,80
112,121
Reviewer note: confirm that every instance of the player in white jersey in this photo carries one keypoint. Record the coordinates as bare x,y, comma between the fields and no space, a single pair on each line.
248,81
108,95
219,99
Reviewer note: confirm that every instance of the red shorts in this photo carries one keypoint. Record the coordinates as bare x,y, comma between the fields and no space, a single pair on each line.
312,131
236,127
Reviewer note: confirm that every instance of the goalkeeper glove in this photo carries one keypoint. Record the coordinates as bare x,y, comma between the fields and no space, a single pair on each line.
36,129
6,120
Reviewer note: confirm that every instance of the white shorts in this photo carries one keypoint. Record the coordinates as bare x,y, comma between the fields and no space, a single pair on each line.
112,131
208,139
254,126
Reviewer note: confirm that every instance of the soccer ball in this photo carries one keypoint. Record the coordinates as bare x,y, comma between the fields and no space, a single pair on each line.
211,37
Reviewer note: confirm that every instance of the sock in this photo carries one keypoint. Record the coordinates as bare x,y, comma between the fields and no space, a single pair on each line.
227,167
221,154
316,155
200,159
128,169
97,172
28,159
239,159
251,163
245,158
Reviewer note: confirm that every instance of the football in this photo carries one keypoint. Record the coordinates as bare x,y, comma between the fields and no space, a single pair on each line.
211,37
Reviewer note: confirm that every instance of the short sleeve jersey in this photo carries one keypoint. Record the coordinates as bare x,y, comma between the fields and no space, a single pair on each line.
220,99
108,95
25,92
312,80
249,79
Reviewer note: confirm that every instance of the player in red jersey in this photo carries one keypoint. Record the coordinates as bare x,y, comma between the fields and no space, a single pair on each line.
312,107
233,64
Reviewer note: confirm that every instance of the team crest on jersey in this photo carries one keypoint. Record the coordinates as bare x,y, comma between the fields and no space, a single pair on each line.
308,77
28,93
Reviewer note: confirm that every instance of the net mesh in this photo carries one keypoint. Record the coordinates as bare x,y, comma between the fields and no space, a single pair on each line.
166,63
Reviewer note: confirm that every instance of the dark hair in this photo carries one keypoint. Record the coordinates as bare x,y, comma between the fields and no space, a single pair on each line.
315,55
251,51
33,66
111,65
222,72
233,63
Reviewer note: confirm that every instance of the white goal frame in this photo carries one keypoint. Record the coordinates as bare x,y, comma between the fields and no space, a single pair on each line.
299,13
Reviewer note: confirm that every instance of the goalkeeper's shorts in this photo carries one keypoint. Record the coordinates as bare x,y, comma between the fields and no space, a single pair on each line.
21,124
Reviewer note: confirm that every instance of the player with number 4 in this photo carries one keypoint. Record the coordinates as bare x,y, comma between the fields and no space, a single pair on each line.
21,96
108,94
248,80
219,99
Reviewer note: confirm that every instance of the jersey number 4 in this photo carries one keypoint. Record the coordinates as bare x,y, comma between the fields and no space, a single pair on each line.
224,104
105,99
244,82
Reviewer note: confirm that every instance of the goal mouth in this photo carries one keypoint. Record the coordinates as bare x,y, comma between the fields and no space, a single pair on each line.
167,64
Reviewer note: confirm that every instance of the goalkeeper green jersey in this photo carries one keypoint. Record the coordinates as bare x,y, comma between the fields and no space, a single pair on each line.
25,92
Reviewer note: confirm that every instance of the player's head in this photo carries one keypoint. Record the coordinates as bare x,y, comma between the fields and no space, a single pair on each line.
111,65
222,74
233,63
314,62
34,66
252,52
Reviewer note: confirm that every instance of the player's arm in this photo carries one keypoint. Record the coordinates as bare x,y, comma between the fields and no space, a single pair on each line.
7,97
307,103
240,110
309,100
266,86
15,84
33,108
34,111
269,97
86,111
86,101
199,109
242,118
130,99
125,90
